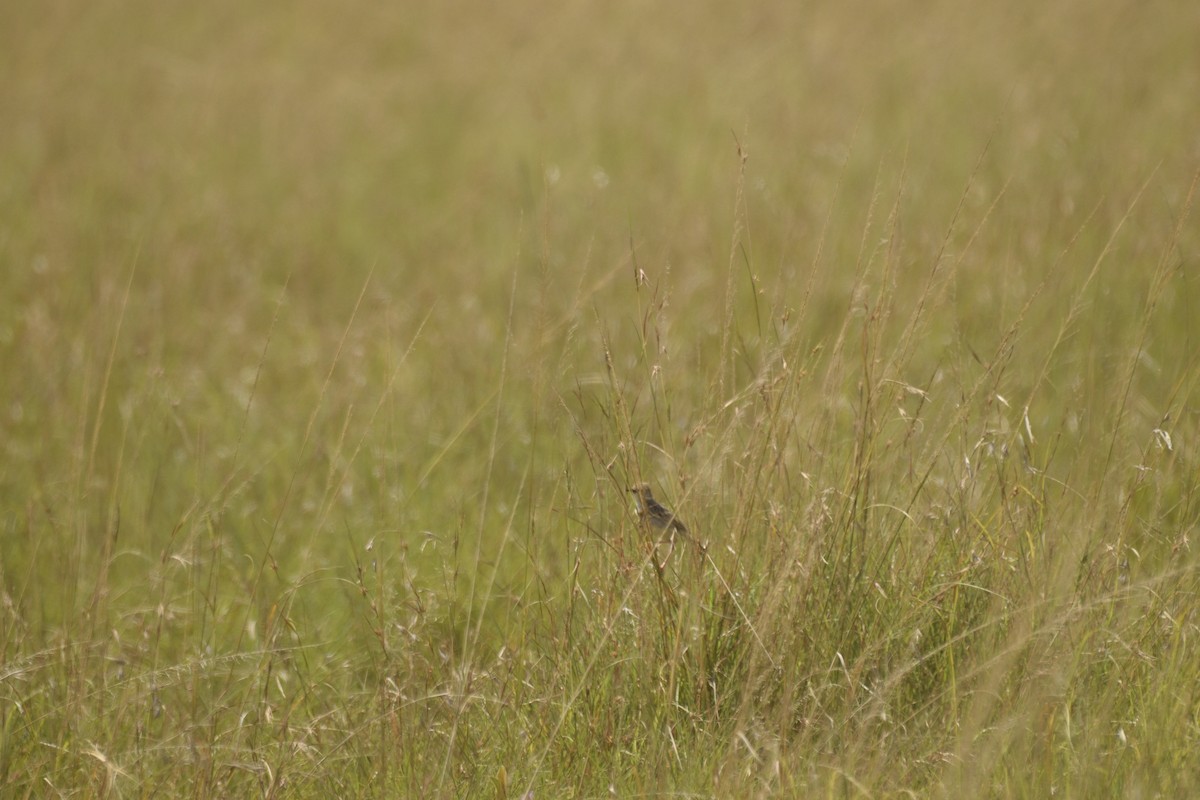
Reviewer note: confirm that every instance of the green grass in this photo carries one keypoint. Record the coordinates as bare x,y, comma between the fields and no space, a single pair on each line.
331,339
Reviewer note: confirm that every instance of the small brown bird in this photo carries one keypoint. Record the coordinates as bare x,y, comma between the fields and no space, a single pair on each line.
654,512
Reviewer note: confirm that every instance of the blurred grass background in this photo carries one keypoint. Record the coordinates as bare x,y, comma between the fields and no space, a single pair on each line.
331,337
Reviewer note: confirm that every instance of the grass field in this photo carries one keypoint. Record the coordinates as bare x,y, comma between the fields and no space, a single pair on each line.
332,337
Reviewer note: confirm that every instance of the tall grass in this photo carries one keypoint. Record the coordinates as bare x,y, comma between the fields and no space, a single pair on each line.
332,340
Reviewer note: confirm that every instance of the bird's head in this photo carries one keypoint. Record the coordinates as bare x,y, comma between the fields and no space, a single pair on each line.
642,490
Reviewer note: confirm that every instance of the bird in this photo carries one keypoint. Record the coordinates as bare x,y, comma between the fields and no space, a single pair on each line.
654,512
